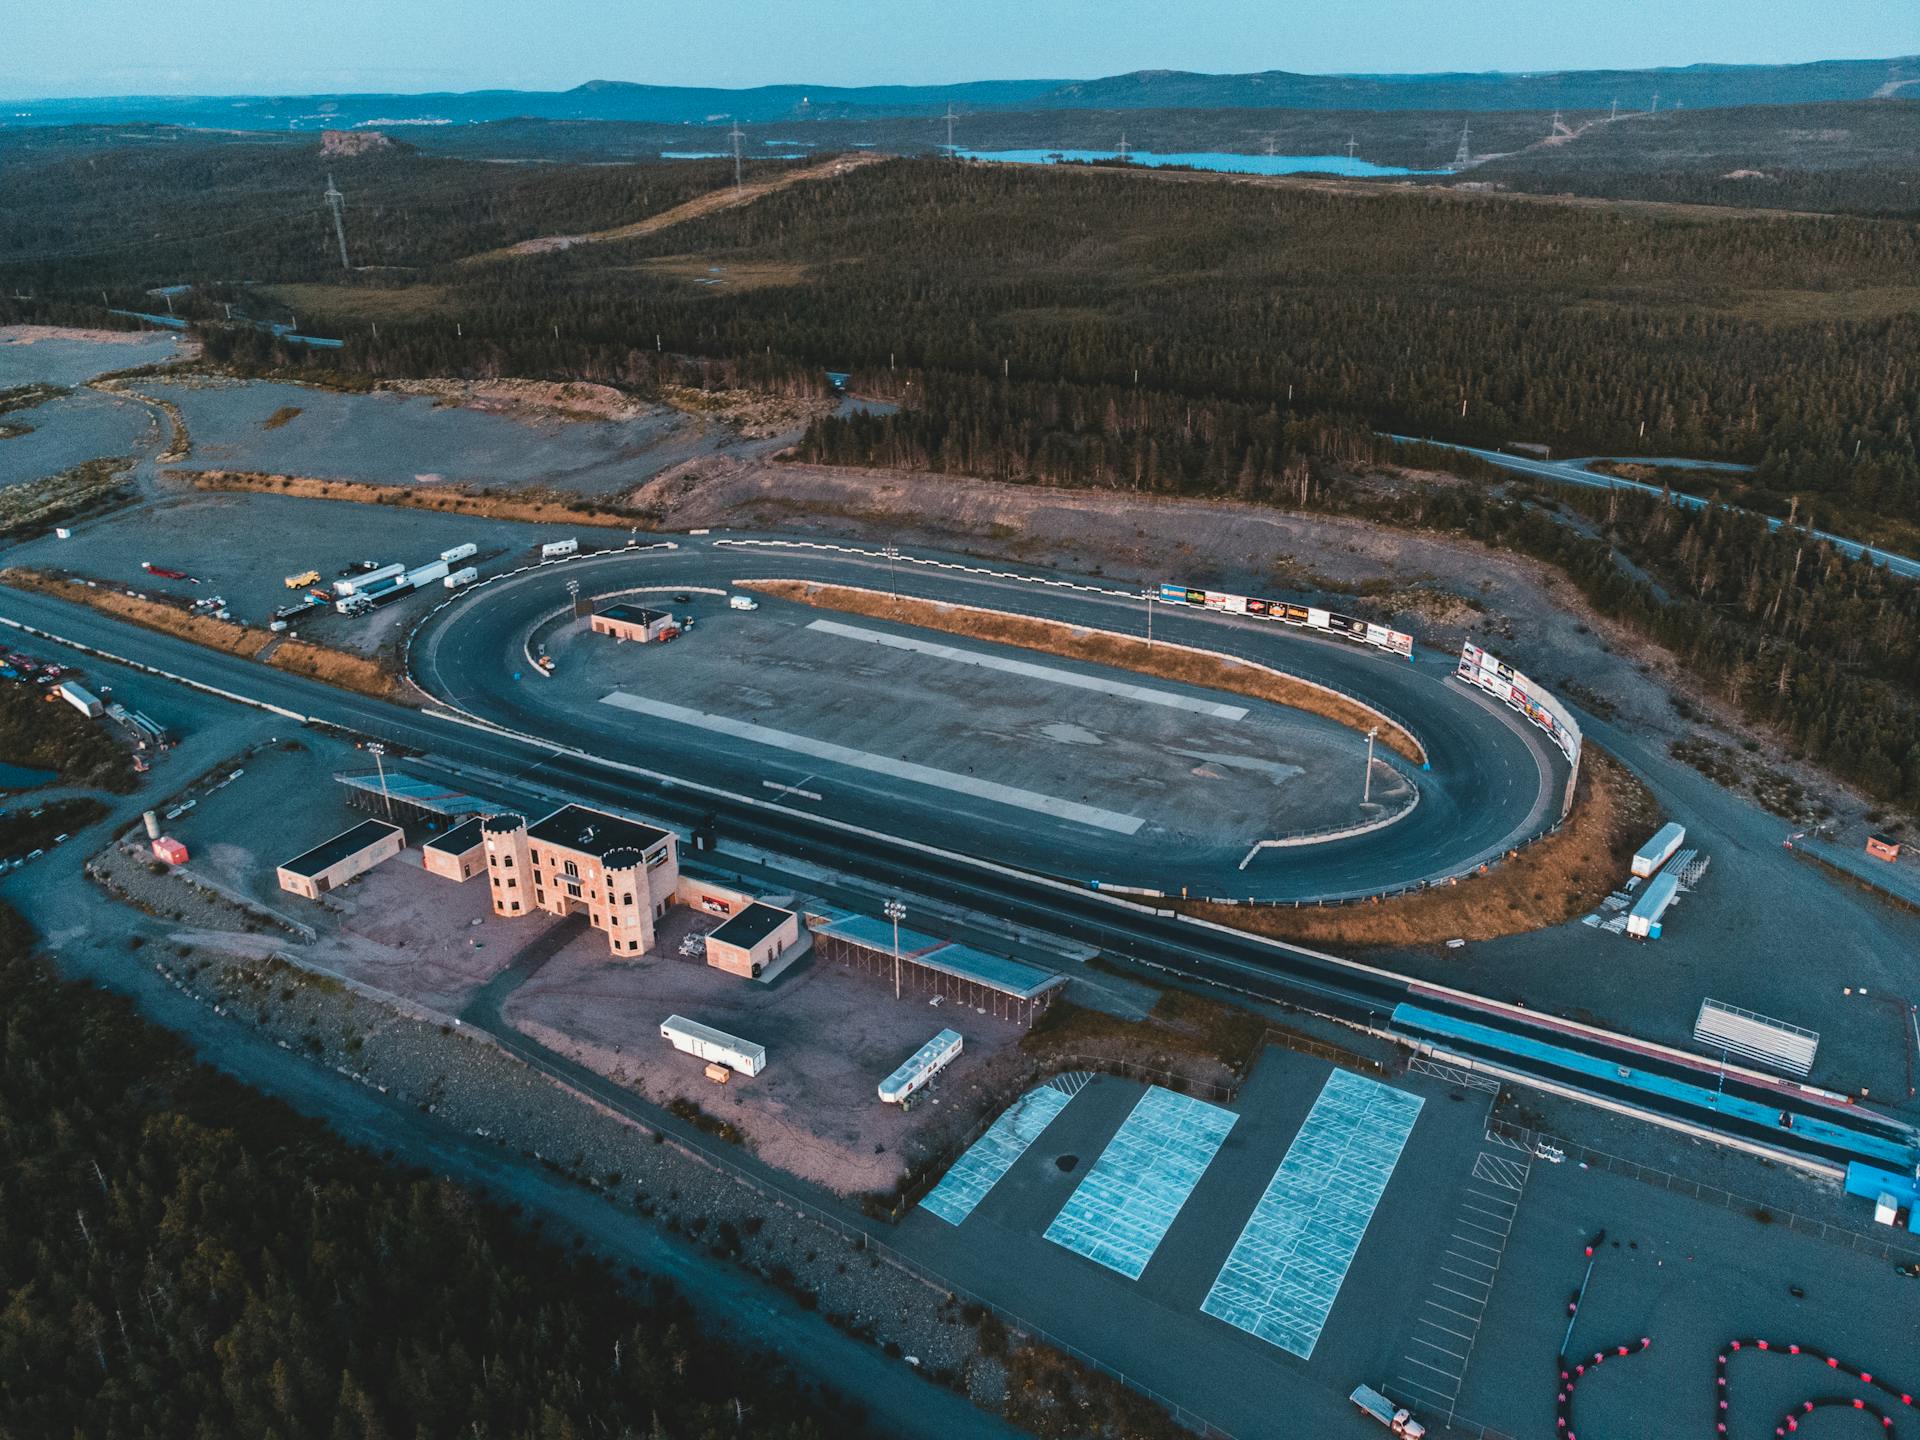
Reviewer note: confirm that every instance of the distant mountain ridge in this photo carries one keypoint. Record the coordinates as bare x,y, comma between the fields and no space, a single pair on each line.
1694,86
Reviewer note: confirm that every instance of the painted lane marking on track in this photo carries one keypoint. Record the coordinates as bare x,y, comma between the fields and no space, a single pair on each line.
1027,669
1089,815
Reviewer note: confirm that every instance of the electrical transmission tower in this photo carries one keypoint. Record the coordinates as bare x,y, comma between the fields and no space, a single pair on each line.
1654,108
1350,147
950,119
735,136
1463,157
1123,147
334,201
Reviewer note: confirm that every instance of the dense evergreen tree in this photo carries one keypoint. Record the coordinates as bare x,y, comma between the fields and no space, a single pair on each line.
181,1257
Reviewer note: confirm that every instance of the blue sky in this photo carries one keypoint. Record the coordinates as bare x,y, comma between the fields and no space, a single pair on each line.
114,47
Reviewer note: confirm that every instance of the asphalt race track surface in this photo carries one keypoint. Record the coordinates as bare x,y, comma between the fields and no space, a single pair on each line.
1493,783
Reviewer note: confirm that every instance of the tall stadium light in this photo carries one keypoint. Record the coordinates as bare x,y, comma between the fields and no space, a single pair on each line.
892,552
378,751
896,912
1149,595
1366,788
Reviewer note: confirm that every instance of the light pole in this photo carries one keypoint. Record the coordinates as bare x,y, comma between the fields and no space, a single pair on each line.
896,912
892,552
1149,596
377,750
1366,787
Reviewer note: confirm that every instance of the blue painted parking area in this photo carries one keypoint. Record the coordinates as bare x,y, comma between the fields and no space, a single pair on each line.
992,1155
1286,1269
1118,1215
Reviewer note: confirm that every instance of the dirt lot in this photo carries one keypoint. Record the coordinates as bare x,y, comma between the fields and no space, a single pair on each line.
831,1037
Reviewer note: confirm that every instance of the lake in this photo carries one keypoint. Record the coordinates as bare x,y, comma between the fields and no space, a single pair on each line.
1219,160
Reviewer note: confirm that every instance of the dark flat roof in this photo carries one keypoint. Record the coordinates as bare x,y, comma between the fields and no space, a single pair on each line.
594,832
457,841
752,925
329,853
632,614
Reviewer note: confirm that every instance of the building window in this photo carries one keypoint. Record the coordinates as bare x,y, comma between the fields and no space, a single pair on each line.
512,883
536,877
516,904
657,859
507,861
493,859
574,891
573,870
541,896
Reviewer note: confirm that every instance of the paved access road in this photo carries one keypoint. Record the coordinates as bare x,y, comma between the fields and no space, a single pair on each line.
1266,970
1581,472
1494,781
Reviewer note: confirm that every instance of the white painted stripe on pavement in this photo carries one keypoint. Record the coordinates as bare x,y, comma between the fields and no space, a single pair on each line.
1089,815
1026,669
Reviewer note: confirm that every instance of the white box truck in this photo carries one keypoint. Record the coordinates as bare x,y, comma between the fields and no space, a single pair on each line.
466,575
1643,920
742,602
920,1067
1657,851
554,549
84,701
356,584
460,552
1397,1420
716,1047
427,574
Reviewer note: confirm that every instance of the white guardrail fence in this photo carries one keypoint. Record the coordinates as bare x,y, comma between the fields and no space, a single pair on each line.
1500,680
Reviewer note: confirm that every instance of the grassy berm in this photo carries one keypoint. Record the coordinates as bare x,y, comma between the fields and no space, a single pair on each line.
1544,884
319,662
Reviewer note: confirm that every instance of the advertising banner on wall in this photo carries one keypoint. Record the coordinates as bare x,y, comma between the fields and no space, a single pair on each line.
1307,616
1500,680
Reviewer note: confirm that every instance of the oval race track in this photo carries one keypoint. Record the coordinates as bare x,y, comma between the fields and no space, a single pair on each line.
1493,783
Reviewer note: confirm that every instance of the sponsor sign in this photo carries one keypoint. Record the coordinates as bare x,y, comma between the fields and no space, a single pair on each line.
1397,642
1503,682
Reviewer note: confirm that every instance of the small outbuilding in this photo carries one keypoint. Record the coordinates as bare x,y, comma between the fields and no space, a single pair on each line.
633,622
460,854
753,939
1883,847
332,863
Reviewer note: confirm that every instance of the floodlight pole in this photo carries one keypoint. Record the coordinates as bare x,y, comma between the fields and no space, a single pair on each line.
1149,596
1366,787
892,552
895,912
377,750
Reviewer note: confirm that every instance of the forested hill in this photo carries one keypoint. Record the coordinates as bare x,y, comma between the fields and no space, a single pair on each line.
1692,86
183,1258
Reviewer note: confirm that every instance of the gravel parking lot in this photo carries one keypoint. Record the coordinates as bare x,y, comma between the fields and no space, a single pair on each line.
831,1036
243,546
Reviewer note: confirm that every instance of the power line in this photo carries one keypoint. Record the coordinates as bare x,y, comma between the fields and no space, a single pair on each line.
334,201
